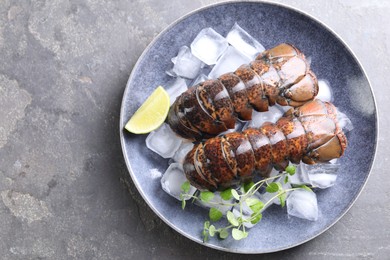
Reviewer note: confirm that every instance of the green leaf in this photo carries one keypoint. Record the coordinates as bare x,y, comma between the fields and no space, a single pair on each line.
235,194
232,219
285,179
255,204
248,185
282,198
238,234
185,187
212,230
205,235
215,214
273,187
251,201
206,224
227,194
257,218
291,169
206,196
205,232
223,233
183,204
305,188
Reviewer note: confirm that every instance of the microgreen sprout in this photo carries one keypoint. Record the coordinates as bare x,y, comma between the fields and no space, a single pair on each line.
236,224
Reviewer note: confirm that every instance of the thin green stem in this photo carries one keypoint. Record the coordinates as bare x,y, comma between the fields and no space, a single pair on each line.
261,182
227,227
196,195
188,196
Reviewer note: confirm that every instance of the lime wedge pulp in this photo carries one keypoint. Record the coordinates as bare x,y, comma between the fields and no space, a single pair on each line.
151,114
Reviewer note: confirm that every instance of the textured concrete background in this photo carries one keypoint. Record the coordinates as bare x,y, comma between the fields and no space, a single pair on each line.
64,189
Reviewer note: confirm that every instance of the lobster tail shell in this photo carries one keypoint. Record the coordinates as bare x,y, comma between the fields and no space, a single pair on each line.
279,75
309,133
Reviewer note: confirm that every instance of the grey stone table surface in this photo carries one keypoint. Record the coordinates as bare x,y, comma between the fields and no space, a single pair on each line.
65,192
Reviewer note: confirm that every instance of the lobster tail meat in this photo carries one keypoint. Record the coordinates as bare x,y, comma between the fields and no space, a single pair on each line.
242,152
214,97
238,94
310,134
279,75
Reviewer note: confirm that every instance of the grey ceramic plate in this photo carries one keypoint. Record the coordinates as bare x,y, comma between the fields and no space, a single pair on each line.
271,24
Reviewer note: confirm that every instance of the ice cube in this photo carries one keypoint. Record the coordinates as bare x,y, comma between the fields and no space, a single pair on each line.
259,118
181,153
208,46
302,204
172,180
244,42
186,64
199,79
324,91
230,60
217,202
344,122
163,141
175,88
155,173
323,180
322,175
300,177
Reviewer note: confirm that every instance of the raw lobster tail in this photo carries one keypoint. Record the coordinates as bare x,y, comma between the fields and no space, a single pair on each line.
309,134
279,75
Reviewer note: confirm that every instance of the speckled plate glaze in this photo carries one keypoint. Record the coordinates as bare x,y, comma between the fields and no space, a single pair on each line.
331,59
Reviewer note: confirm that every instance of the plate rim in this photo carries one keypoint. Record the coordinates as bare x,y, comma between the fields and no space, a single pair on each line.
174,23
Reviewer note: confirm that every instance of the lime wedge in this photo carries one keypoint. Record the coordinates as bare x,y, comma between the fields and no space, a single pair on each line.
151,114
